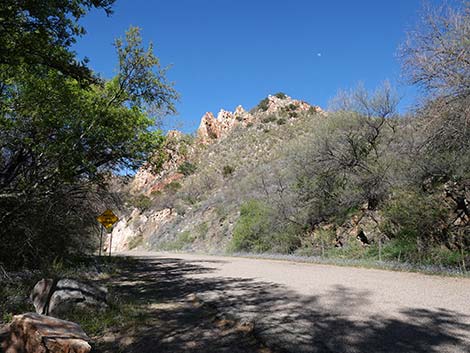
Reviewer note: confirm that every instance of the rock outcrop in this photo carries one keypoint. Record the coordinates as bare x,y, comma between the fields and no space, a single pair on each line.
276,103
140,225
364,227
172,156
57,297
212,128
34,333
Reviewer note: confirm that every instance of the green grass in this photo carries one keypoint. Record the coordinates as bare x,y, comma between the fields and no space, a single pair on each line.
119,314
184,239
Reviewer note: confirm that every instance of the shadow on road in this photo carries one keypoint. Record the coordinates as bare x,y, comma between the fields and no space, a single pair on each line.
283,320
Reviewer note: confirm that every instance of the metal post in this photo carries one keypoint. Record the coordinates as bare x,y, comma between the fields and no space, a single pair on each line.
101,239
110,242
380,248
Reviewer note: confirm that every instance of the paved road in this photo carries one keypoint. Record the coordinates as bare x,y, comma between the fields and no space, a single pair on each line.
298,307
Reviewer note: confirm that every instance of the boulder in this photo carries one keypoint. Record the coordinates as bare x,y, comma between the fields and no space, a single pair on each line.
36,333
57,297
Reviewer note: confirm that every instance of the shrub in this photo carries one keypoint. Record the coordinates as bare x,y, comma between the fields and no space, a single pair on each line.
227,171
173,186
187,168
253,228
280,95
281,121
269,119
141,202
183,240
263,105
415,215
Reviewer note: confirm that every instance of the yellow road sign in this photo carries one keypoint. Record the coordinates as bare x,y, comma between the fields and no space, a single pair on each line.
107,218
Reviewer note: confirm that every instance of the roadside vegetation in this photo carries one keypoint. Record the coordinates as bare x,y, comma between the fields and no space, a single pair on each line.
358,182
65,131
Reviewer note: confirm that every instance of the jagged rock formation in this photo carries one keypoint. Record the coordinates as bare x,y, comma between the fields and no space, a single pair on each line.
212,128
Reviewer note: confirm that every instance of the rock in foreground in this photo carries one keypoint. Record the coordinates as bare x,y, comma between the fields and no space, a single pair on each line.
36,333
56,298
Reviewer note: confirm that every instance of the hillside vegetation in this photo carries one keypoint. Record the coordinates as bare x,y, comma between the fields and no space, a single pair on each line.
356,181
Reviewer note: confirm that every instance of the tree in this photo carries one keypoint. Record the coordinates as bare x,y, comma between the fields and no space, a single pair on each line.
436,55
38,34
60,140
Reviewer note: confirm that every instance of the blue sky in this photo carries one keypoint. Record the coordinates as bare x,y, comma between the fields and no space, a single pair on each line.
229,52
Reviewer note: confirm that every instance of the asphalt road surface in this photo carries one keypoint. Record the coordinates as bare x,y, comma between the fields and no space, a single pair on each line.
298,307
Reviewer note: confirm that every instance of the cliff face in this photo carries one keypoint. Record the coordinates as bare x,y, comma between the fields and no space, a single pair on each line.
165,215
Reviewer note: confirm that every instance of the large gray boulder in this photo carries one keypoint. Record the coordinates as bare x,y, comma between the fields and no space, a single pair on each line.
57,297
34,333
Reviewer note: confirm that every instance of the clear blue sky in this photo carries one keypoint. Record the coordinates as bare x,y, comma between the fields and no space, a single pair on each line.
229,52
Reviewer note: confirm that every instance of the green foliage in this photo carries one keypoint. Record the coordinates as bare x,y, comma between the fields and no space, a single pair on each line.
183,240
256,231
173,186
121,313
187,168
252,230
201,230
269,119
59,140
263,105
415,216
141,202
227,171
280,95
281,121
37,35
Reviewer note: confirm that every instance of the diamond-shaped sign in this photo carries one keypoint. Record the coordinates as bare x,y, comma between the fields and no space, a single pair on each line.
107,218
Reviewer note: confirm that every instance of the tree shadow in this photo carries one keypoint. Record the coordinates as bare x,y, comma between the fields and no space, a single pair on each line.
284,321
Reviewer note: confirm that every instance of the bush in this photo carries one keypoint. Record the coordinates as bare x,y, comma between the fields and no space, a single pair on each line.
227,171
141,202
281,121
263,105
257,231
269,119
415,216
280,95
252,230
183,240
173,186
187,168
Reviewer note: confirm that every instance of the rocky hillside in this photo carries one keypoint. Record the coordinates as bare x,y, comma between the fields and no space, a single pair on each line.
287,177
192,202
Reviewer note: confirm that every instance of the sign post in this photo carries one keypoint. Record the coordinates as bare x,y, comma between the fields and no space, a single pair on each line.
101,239
107,219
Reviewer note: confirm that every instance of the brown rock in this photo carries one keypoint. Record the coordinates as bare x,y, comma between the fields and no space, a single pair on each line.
34,333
